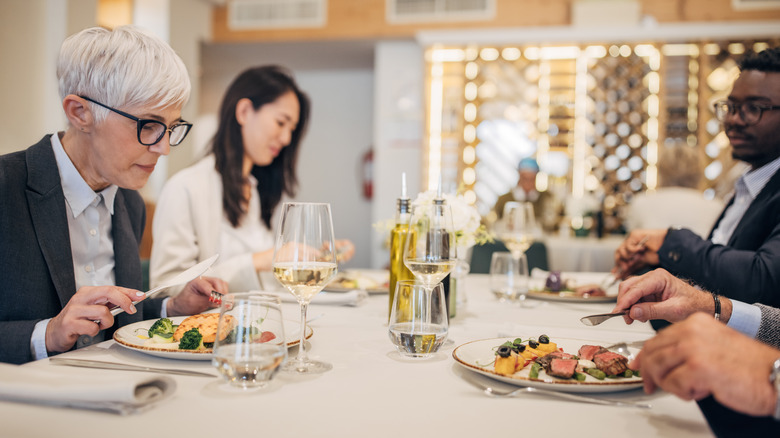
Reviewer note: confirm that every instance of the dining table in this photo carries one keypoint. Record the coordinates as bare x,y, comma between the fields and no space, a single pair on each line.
372,390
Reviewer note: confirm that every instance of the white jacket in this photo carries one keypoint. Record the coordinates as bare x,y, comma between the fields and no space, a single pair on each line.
186,230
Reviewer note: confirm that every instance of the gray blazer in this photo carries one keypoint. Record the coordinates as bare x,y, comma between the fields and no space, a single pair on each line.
36,266
769,330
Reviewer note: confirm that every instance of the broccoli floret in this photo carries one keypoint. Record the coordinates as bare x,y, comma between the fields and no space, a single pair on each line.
162,327
192,340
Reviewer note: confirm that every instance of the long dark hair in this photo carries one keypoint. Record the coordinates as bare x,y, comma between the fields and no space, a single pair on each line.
261,85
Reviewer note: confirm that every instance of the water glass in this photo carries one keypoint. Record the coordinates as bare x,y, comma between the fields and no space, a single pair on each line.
418,319
509,276
250,345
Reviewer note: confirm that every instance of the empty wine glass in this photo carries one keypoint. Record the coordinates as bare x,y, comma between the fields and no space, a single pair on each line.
430,251
509,276
518,227
304,262
250,344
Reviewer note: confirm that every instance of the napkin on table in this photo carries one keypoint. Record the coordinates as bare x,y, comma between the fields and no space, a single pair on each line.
114,391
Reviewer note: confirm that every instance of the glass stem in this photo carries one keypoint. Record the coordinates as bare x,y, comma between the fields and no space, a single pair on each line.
301,357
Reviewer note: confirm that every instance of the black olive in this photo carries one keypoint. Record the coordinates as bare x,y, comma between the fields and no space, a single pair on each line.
504,351
544,339
533,344
520,348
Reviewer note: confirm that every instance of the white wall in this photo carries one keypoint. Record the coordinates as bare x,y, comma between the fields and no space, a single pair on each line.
398,130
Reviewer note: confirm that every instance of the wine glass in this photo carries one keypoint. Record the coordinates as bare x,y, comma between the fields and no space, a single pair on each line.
413,335
430,251
304,262
250,344
518,227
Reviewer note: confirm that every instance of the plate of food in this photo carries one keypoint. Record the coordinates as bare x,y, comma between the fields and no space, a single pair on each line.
581,287
373,281
562,364
136,336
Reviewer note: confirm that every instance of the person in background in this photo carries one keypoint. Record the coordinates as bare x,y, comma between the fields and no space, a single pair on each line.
677,202
72,220
741,256
546,208
224,203
730,363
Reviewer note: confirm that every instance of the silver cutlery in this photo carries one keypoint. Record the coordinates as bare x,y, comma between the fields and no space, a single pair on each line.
601,317
184,277
86,363
567,396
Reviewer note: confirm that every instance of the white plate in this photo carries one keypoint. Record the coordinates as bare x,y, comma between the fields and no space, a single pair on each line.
127,337
538,291
479,356
373,281
569,297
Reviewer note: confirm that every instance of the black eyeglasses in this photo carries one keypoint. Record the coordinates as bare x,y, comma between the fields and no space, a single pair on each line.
749,112
150,132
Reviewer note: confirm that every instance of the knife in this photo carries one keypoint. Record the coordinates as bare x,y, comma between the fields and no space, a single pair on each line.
85,363
184,277
598,319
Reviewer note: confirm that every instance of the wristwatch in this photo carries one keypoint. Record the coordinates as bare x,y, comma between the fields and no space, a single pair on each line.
775,379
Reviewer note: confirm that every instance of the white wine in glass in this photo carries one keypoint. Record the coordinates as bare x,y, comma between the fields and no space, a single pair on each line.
430,252
304,262
518,227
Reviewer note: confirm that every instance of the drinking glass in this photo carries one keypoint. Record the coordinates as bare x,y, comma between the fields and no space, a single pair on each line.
250,344
518,227
430,251
509,276
418,319
304,262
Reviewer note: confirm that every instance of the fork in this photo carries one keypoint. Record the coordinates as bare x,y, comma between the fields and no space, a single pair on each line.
565,395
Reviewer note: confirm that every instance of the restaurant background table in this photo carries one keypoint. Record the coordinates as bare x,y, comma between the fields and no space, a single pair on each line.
582,254
371,391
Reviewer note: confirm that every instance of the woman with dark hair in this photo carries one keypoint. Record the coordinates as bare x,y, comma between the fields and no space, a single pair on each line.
250,167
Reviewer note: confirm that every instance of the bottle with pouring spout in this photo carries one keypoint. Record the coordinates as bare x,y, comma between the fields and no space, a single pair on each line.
398,270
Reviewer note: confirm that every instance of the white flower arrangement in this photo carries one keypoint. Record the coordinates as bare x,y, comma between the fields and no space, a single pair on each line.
465,219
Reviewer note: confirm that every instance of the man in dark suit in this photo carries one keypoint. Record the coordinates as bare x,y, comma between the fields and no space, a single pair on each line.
71,220
741,257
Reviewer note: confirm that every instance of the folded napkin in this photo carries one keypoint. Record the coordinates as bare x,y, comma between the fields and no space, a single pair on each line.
352,298
117,392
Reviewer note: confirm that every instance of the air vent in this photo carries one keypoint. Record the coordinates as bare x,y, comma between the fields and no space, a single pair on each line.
275,14
755,4
406,11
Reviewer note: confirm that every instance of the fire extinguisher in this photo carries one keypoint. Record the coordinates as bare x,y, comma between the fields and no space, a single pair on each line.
368,174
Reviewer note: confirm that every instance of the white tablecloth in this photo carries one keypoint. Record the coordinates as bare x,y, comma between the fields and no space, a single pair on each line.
582,254
372,392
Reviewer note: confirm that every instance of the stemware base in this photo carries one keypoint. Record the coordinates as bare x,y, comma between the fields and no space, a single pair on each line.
306,367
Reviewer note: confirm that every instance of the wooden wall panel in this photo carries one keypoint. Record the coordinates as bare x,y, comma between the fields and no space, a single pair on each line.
365,19
352,19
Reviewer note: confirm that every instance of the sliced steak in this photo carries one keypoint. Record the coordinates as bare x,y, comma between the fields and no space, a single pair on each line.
544,361
588,351
611,363
563,368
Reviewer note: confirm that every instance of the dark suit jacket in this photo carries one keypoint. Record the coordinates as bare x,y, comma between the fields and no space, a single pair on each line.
36,266
748,268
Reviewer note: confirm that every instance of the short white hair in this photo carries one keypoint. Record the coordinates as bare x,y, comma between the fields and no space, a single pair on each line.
123,67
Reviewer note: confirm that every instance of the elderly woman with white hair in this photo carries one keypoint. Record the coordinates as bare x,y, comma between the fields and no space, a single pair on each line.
71,220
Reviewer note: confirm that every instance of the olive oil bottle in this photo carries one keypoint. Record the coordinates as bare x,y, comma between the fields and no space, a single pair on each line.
398,270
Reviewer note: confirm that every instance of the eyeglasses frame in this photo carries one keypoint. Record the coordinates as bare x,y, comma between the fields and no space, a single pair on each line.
737,108
141,122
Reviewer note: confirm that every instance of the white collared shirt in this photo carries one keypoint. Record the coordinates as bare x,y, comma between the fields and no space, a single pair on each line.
89,224
746,189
